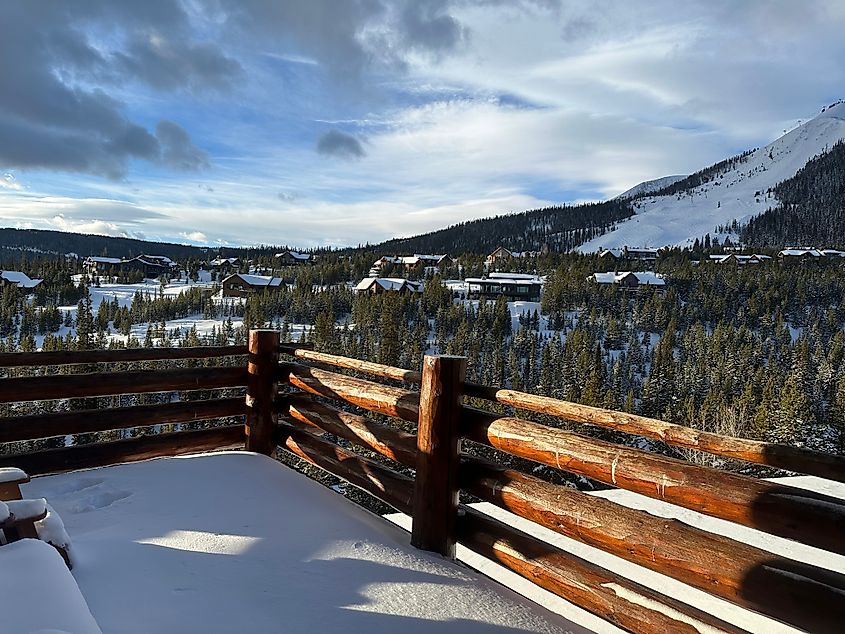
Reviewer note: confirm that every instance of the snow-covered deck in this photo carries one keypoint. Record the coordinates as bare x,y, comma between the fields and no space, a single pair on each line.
236,542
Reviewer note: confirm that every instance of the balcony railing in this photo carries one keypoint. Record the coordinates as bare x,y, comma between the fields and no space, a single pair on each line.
294,404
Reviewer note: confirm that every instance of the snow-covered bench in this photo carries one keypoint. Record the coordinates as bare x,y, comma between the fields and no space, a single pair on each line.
33,519
38,593
11,480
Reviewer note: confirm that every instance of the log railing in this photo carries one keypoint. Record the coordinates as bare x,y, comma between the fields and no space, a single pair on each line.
319,400
226,407
403,446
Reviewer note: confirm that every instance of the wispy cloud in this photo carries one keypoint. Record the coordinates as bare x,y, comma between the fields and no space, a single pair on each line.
337,123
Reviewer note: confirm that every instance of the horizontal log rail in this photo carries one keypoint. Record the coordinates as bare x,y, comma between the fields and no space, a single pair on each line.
131,450
391,443
348,363
790,512
775,455
38,388
614,598
118,355
803,595
30,427
375,397
390,487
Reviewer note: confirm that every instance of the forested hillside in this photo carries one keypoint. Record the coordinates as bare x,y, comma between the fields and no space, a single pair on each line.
37,241
560,228
812,209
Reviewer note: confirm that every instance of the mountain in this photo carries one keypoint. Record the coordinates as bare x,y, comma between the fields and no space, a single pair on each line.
812,206
560,228
650,187
727,194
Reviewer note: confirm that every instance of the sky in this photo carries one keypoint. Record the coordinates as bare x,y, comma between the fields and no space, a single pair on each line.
313,123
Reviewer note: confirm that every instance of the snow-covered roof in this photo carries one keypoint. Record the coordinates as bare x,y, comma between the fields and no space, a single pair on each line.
389,284
644,278
514,276
295,255
258,280
502,281
21,280
813,253
102,260
222,261
741,259
160,259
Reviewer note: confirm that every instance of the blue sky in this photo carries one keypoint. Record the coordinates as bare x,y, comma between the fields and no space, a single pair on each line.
329,122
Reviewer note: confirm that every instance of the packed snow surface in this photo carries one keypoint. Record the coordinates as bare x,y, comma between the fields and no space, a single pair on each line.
739,193
236,542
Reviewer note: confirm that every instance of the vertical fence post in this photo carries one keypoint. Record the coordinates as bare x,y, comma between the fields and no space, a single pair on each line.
261,389
438,435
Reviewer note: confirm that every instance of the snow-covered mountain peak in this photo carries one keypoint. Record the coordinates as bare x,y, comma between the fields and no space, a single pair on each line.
739,190
833,111
649,187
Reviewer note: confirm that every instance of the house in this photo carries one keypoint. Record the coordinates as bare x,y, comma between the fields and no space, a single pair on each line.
19,280
379,285
740,260
293,258
100,265
631,281
502,254
150,266
224,264
417,263
513,286
243,284
643,254
794,254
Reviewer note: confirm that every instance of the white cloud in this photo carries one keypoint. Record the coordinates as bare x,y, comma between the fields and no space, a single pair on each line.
195,236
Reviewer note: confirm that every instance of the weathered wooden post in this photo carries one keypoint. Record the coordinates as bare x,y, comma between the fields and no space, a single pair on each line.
261,390
436,485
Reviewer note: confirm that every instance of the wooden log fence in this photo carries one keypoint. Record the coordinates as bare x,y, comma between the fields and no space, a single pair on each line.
317,405
76,357
706,561
624,603
33,426
130,450
799,514
799,594
39,388
775,455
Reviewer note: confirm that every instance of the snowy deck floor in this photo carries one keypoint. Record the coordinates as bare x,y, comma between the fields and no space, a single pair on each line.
236,542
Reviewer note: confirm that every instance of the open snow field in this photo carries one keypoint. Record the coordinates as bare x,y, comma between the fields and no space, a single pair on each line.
237,542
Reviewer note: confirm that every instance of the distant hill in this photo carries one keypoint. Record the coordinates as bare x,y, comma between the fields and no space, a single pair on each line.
23,242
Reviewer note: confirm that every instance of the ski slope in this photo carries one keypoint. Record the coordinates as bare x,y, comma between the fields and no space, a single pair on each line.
738,194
